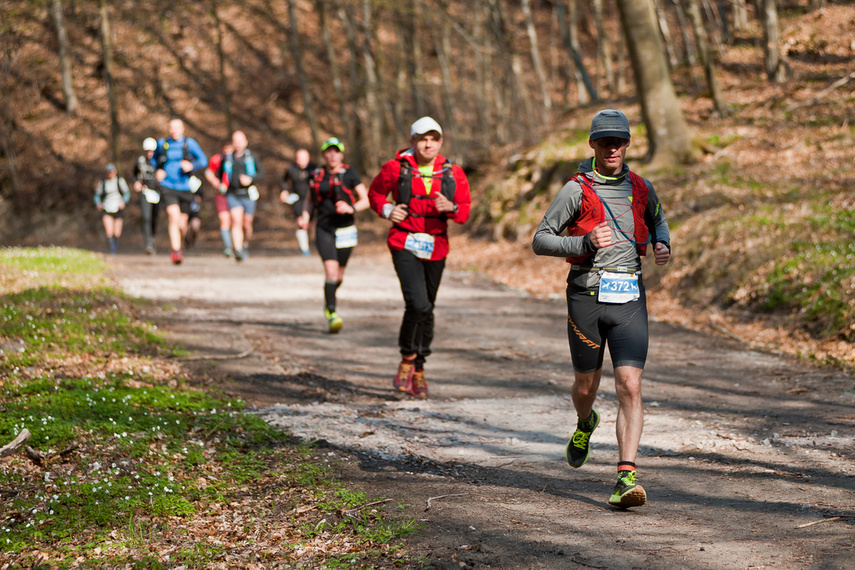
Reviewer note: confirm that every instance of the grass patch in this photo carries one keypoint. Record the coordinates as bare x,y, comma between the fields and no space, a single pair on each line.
133,468
812,276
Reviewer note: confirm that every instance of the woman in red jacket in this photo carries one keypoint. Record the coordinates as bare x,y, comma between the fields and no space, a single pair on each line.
419,191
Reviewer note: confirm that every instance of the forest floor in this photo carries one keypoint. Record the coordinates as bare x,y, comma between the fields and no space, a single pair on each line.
748,457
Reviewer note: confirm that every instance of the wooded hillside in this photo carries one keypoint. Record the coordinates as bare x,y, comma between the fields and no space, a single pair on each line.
84,82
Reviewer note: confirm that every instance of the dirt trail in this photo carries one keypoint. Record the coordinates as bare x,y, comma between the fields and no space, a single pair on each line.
741,451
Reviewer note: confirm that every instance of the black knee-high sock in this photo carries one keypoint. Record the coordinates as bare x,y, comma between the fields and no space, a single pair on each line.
329,294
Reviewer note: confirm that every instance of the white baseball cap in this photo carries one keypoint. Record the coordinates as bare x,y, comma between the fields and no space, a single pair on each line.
149,144
424,126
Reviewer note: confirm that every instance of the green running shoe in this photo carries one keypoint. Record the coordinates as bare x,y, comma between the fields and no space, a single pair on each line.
579,446
627,493
335,323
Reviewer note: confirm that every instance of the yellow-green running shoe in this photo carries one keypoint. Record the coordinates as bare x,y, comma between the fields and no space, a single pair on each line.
627,492
579,446
335,323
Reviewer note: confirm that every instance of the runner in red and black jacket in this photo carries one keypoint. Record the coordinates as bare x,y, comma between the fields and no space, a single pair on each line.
419,192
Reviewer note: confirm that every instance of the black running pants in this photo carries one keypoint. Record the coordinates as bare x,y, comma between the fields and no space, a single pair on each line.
420,280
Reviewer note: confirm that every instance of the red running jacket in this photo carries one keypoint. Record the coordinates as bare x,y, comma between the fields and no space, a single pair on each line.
423,216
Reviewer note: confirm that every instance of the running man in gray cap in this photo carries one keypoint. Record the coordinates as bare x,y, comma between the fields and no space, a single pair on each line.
612,217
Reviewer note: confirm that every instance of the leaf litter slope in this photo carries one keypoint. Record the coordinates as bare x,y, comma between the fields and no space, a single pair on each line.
747,457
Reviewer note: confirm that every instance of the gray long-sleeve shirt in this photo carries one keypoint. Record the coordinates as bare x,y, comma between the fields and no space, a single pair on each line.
617,194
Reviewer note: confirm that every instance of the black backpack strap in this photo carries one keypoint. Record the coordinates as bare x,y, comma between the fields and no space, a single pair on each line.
449,184
405,183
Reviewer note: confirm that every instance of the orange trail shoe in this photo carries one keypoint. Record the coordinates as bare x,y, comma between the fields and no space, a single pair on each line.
404,378
177,257
418,386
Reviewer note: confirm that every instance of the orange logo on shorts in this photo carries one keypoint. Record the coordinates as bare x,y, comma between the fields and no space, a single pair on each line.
582,337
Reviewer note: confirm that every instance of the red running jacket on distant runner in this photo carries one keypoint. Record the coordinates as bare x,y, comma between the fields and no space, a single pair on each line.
593,212
423,216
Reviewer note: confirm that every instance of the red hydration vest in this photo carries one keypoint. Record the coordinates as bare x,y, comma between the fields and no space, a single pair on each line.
593,212
337,190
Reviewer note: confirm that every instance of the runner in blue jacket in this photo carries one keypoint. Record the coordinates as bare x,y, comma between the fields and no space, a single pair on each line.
177,158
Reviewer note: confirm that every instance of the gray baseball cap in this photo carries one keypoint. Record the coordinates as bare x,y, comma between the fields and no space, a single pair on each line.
609,123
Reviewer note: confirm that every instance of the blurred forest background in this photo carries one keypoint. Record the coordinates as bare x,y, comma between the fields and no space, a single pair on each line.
742,113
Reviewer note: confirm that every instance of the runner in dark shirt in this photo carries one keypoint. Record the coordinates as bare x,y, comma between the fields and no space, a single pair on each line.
337,194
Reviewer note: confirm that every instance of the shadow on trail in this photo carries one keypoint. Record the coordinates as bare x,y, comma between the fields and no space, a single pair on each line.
579,485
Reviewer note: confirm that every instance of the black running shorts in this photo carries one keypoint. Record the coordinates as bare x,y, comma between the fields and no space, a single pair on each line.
184,198
325,242
117,215
591,324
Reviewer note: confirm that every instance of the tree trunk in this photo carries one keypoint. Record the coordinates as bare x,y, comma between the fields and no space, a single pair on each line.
721,106
740,15
570,36
401,100
623,71
357,90
442,44
481,87
666,34
221,69
7,123
538,62
68,93
515,87
604,52
415,57
335,72
726,34
297,54
502,83
373,95
107,53
775,67
690,50
712,16
669,138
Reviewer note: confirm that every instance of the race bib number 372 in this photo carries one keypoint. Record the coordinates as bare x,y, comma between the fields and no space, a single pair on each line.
618,288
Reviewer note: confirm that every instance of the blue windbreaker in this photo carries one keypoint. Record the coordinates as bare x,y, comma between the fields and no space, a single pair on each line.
169,155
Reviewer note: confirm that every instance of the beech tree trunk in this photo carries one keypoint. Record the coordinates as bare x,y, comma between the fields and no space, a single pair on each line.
669,138
570,36
668,43
690,52
107,54
775,68
721,106
68,92
357,90
335,72
420,106
8,153
221,69
537,60
740,15
374,98
604,51
482,89
442,44
297,54
515,88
